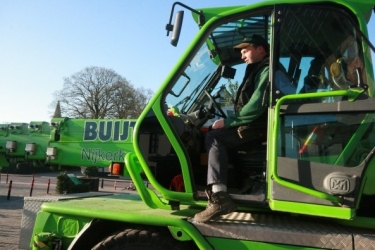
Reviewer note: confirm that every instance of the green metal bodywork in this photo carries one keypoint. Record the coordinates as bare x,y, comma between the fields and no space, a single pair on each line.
90,142
77,142
39,134
18,134
68,217
4,132
30,142
303,185
127,208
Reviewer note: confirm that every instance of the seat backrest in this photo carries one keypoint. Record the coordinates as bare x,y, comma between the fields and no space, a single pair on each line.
284,82
314,79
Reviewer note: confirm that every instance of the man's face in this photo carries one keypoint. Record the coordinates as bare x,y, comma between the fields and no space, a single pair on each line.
252,54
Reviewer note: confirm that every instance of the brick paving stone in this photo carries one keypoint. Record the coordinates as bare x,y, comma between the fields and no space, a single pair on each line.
11,212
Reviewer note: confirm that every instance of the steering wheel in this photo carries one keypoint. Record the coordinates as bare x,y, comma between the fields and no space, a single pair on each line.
216,105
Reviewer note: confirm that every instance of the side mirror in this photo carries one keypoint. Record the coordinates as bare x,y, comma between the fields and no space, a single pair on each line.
176,28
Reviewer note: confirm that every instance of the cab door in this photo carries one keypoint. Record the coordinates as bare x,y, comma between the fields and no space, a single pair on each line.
323,113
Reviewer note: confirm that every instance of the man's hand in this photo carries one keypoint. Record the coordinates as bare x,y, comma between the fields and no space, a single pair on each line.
218,124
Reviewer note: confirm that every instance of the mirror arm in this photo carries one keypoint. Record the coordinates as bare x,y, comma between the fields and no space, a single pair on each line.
201,19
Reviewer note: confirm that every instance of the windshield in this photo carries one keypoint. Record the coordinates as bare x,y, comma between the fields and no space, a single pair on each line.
216,67
192,82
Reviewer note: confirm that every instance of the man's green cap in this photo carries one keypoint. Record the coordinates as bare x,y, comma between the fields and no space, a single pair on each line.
253,40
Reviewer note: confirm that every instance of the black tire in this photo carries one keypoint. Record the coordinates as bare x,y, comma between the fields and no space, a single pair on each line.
142,239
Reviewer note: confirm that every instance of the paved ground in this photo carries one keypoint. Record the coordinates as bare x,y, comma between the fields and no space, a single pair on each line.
11,207
10,222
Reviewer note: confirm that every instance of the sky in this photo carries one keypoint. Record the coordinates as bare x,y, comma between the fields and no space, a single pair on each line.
44,41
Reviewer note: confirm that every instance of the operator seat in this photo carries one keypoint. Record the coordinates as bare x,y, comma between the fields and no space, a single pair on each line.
249,163
314,79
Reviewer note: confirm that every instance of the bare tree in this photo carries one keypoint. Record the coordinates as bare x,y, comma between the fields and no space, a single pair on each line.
100,93
137,100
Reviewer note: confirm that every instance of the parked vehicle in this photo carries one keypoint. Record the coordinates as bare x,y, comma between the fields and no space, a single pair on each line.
309,184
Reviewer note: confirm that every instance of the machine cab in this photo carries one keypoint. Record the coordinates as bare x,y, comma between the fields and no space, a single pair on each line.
317,156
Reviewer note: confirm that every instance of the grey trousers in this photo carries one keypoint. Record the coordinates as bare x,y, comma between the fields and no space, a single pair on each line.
217,143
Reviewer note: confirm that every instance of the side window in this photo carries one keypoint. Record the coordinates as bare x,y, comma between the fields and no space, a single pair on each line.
342,139
318,52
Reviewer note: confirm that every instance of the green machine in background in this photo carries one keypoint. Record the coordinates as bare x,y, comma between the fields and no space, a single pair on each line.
65,142
24,145
89,142
4,132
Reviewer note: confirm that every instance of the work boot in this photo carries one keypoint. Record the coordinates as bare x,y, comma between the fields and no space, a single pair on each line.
218,204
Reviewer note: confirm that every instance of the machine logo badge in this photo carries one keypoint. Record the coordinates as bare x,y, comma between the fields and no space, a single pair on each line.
339,184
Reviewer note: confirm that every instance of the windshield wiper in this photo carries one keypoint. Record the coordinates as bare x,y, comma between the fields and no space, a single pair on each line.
193,94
